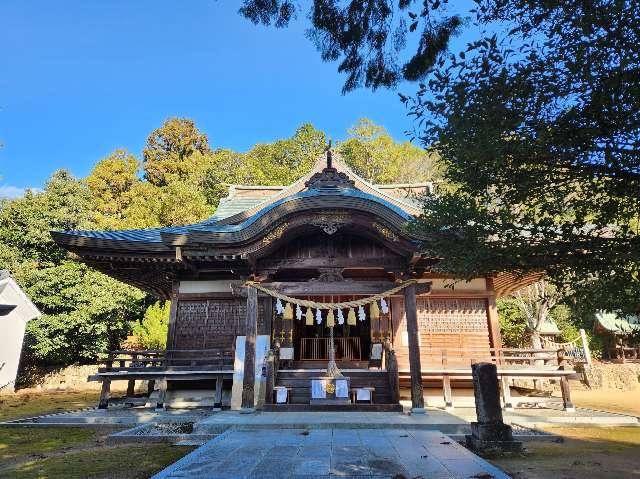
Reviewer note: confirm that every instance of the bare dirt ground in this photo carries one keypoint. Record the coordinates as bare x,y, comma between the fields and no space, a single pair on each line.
627,402
586,452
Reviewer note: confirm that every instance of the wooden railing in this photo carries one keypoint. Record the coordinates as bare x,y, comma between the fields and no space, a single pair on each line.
523,358
318,348
134,360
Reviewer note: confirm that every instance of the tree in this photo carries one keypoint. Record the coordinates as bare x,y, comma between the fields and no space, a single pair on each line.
284,161
535,303
111,183
378,158
369,38
539,133
151,332
85,312
174,151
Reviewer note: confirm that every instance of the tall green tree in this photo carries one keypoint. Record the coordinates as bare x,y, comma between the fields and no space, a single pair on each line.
173,151
378,158
539,132
112,184
85,312
284,161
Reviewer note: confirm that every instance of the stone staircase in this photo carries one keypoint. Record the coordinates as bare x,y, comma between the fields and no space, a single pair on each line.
299,382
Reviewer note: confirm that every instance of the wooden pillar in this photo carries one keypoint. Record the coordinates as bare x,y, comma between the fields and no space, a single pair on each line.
173,316
506,393
492,317
391,365
417,398
271,378
566,395
162,395
151,385
446,390
248,385
217,402
104,394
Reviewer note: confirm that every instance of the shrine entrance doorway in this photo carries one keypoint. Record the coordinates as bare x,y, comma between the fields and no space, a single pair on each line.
352,342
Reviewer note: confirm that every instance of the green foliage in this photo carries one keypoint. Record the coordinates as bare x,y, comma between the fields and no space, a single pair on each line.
369,38
85,312
513,324
174,151
112,185
538,129
373,154
151,333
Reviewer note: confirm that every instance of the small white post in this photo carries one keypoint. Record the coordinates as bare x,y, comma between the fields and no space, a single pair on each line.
585,346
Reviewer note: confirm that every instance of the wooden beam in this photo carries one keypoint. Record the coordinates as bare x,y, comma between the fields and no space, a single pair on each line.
390,262
493,321
248,384
417,398
294,288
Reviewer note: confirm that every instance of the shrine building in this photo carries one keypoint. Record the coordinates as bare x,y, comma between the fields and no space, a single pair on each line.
315,285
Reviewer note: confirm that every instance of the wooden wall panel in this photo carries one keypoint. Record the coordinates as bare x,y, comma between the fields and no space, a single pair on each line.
458,325
214,323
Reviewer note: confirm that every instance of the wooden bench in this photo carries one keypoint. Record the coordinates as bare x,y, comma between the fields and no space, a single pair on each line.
354,394
503,375
162,366
161,377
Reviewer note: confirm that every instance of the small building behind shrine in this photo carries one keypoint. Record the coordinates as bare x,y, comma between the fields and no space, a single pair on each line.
16,310
281,280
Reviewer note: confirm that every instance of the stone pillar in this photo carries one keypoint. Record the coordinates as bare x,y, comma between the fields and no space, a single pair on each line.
410,308
248,383
489,432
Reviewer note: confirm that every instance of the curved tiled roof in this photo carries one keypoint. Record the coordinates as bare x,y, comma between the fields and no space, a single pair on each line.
155,235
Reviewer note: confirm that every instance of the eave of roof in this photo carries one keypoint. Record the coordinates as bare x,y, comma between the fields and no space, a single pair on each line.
615,323
161,237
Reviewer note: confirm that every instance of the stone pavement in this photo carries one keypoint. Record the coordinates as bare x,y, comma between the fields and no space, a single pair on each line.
331,453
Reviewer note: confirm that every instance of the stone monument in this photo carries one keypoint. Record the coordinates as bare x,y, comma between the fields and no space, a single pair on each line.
489,433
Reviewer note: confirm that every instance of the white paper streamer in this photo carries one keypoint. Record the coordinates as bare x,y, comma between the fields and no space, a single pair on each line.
340,317
318,316
298,312
279,307
384,307
361,315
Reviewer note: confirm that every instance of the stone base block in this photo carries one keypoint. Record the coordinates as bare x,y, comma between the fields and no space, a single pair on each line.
484,446
489,437
492,431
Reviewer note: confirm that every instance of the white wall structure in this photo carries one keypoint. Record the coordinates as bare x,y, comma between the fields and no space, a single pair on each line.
262,346
16,310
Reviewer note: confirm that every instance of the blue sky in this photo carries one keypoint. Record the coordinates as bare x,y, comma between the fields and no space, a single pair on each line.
82,77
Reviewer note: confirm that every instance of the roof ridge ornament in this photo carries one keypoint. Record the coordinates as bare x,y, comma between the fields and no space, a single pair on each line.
330,178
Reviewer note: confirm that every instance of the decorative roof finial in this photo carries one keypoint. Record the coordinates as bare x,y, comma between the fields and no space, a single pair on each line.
329,158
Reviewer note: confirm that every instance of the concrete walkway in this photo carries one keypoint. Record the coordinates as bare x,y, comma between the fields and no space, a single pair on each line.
331,453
